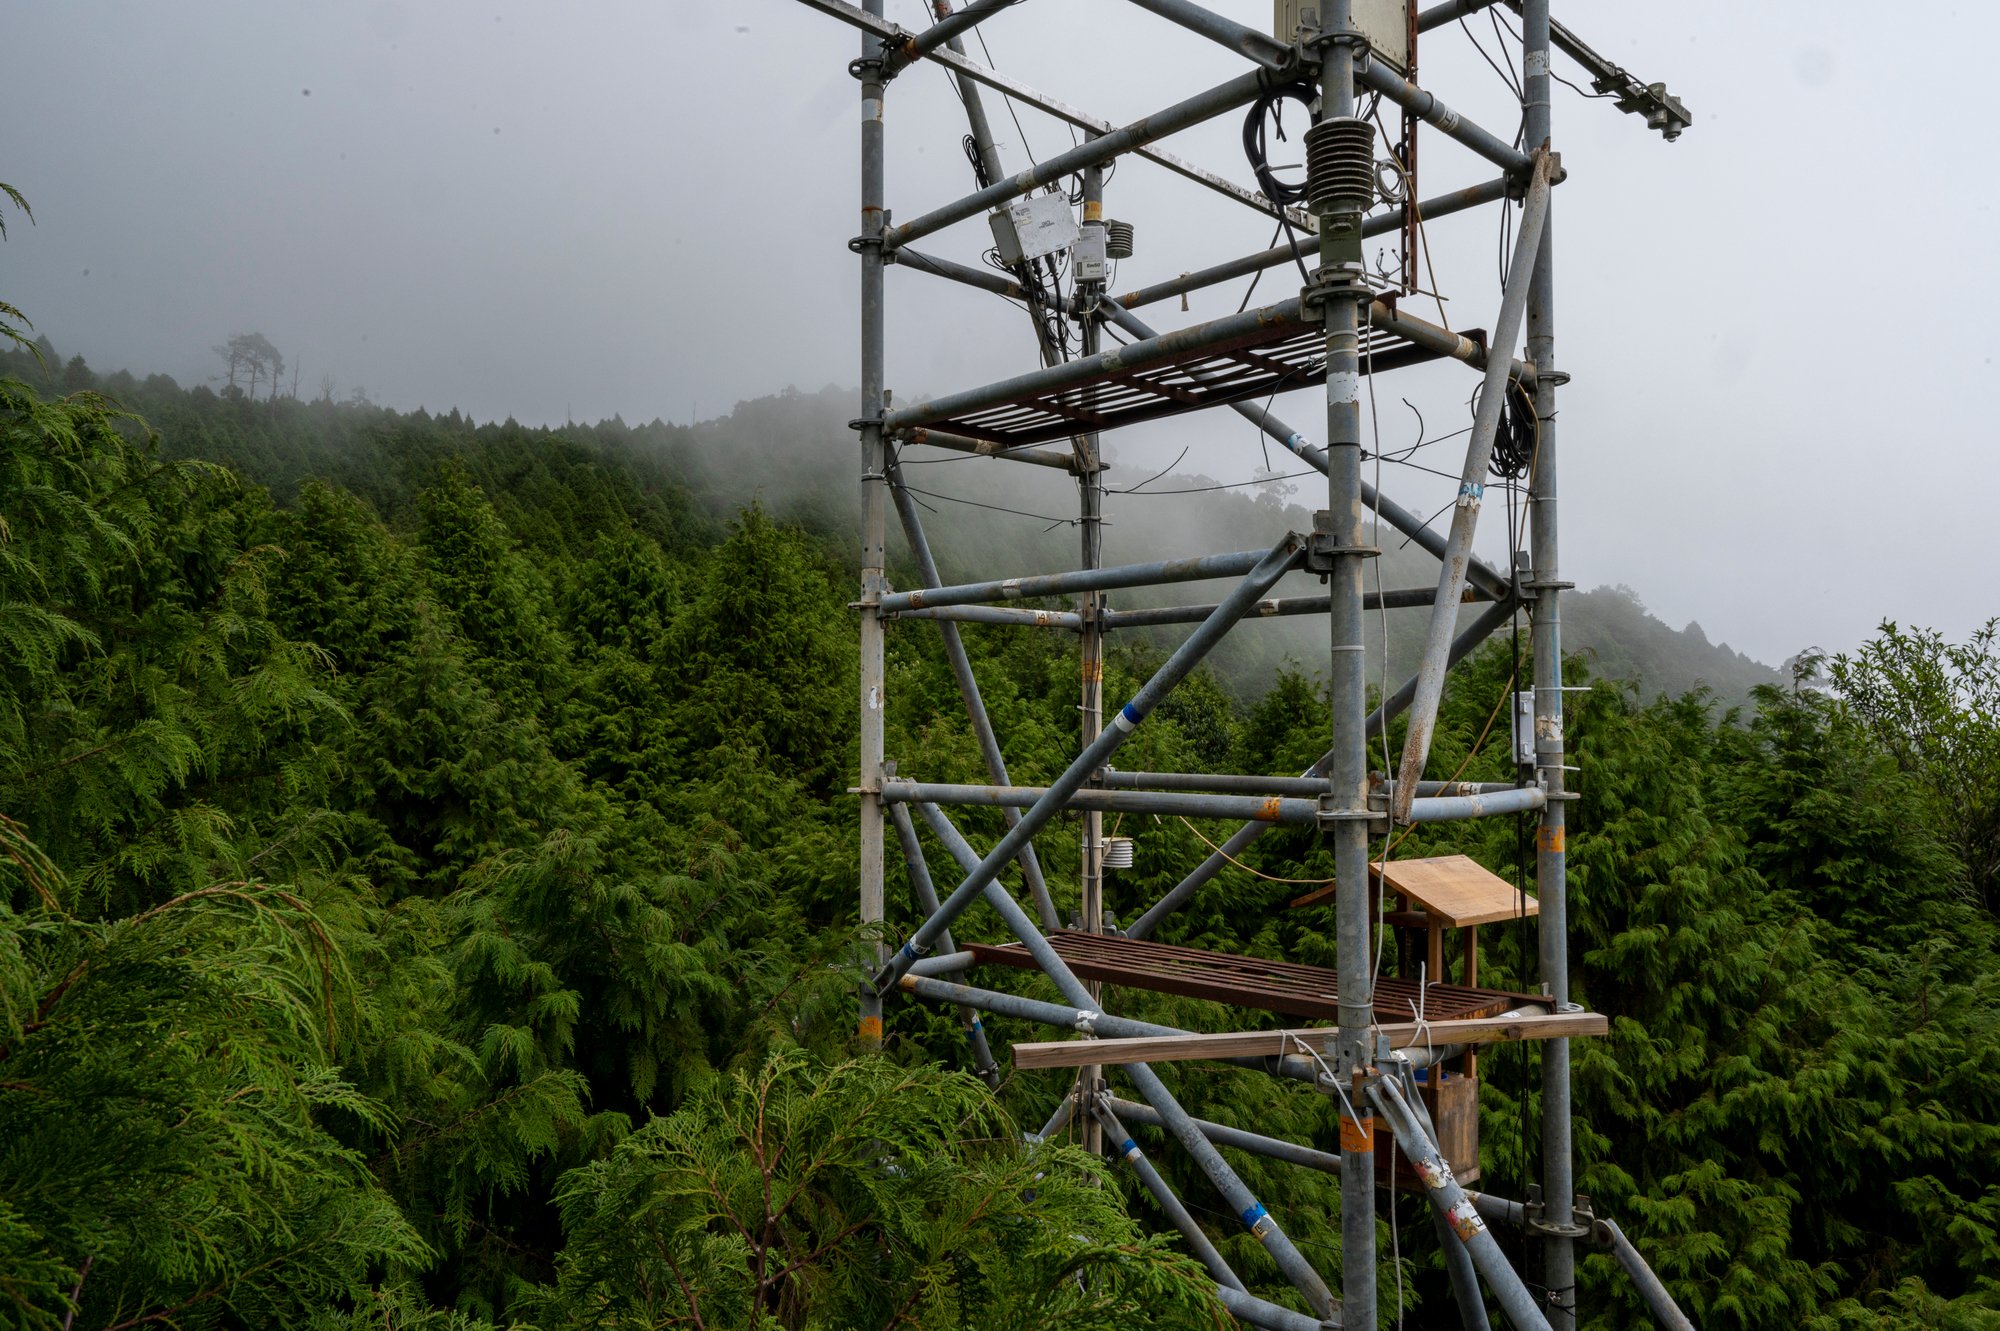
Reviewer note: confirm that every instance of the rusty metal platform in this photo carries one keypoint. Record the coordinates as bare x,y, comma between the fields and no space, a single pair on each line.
1284,987
1273,359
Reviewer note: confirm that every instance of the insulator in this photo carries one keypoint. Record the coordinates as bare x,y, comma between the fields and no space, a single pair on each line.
1118,240
1117,852
1340,165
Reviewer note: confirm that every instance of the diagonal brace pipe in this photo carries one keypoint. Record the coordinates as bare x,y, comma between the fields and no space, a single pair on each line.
1479,630
896,59
1216,101
1471,488
968,688
1240,1199
1282,557
1467,1226
920,879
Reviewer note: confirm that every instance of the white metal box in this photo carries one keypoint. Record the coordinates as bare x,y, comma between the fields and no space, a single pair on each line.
1386,24
1032,227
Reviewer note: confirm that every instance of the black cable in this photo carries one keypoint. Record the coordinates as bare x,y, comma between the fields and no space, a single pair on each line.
1513,444
996,508
1256,146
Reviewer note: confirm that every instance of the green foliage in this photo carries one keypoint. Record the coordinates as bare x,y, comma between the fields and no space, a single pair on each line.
1935,706
427,901
857,1194
162,1078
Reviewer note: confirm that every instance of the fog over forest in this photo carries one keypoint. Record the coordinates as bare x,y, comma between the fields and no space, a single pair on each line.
640,209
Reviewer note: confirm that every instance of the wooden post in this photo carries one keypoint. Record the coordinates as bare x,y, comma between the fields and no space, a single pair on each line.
1471,1065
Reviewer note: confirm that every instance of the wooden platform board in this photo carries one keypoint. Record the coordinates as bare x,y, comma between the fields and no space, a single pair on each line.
1458,890
1268,986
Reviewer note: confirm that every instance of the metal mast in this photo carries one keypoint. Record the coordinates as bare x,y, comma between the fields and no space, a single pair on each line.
1384,1079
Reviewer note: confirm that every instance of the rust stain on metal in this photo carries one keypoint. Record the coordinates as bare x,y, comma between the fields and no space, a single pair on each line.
1357,1134
1268,811
916,600
1550,841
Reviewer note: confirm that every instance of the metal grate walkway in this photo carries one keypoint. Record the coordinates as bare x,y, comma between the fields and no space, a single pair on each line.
1164,379
1269,986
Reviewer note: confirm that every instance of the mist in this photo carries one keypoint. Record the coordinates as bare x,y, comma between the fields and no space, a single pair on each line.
641,210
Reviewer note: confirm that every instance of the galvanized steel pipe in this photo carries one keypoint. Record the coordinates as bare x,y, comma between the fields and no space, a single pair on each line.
1120,1142
1250,43
1444,205
1457,808
1426,107
983,1064
1652,1292
1176,668
1461,1216
1471,489
968,689
1223,98
1199,569
1480,629
1262,1226
1001,615
1263,808
1281,607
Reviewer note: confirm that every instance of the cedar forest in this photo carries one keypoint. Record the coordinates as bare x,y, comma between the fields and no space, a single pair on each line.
427,902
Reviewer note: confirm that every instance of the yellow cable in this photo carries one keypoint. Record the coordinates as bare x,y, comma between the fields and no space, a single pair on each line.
1255,873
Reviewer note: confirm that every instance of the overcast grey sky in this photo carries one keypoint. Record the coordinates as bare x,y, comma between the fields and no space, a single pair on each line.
1778,326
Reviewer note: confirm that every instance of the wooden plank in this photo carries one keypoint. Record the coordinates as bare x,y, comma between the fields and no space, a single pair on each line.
1268,1044
1458,889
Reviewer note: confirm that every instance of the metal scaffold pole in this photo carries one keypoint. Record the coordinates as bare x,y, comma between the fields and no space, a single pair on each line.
1090,606
1340,167
874,509
1551,861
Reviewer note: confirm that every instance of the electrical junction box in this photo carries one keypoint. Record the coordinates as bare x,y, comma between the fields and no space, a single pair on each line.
1033,227
1087,258
1386,24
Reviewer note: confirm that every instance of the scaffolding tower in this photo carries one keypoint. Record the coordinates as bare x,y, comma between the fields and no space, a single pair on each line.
1382,1072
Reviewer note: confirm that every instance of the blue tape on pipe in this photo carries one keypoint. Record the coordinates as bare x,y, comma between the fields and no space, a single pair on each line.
1129,1149
1471,490
1255,1213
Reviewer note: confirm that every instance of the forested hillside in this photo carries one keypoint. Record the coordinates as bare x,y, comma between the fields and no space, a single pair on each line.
427,901
792,454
